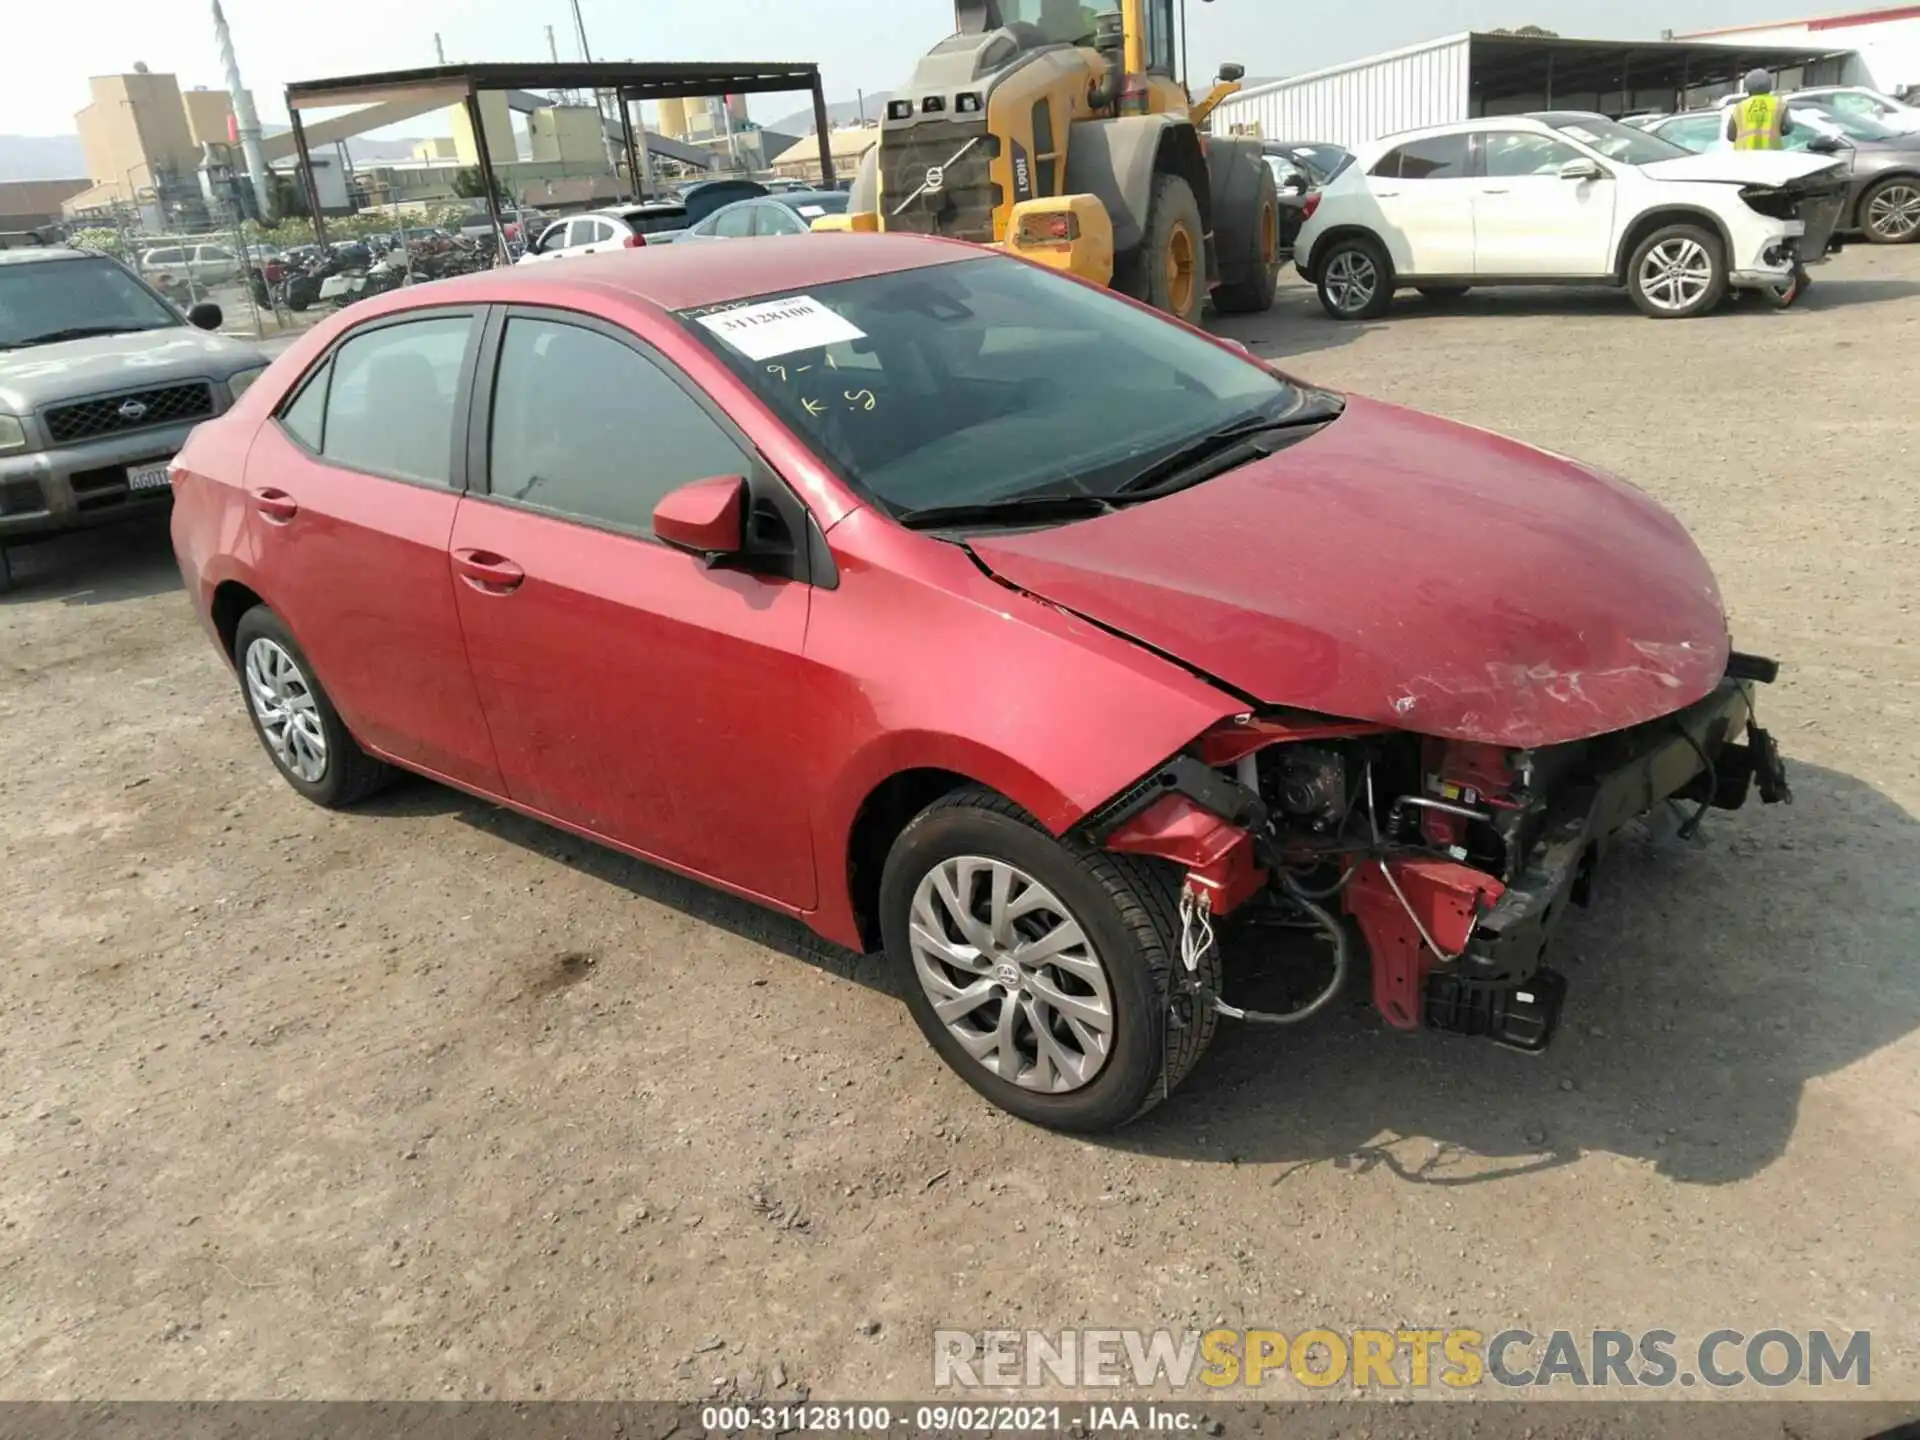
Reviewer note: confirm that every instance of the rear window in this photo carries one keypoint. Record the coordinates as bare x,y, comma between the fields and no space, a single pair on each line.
655,224
1438,157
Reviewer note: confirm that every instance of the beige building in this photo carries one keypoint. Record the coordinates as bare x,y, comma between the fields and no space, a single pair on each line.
568,134
849,146
498,121
141,135
208,112
437,150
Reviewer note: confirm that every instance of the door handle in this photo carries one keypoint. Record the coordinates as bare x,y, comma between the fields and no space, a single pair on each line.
1494,190
487,572
276,505
1386,194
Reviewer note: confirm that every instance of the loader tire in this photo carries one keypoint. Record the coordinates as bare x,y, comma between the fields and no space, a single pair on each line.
1169,270
1257,272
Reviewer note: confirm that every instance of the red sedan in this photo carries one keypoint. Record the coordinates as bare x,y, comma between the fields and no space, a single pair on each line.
970,612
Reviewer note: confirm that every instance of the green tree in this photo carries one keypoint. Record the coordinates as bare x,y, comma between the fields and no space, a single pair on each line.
468,185
1537,30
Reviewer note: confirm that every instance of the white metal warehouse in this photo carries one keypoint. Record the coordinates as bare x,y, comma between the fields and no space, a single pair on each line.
1460,77
1885,42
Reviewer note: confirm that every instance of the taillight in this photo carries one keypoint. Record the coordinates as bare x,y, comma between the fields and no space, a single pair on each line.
1309,205
633,242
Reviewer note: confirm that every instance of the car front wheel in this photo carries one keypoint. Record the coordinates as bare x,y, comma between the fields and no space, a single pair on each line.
1356,280
295,720
1677,272
1890,211
1042,970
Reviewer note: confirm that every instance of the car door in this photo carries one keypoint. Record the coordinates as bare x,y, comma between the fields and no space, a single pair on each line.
1425,198
1530,222
353,488
632,690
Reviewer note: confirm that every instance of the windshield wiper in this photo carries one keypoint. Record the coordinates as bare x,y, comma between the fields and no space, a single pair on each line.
1218,451
1035,509
79,332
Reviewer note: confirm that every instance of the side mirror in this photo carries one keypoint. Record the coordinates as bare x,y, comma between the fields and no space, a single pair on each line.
1582,169
706,517
205,316
1231,74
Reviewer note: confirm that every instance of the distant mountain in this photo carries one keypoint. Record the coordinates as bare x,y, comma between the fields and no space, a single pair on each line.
844,112
44,157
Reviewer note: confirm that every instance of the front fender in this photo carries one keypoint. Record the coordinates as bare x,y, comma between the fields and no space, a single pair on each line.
1114,159
932,664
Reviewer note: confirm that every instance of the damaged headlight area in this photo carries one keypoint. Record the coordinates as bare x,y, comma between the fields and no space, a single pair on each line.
1447,864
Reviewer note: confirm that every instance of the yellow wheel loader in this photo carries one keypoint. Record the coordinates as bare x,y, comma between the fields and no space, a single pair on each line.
1061,131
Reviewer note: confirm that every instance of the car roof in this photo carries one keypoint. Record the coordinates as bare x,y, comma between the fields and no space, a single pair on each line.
790,198
32,254
686,277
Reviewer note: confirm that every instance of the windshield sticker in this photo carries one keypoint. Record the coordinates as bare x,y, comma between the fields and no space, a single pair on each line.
1580,133
813,211
780,327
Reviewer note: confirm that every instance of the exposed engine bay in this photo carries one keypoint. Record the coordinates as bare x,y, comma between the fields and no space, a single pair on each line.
1445,864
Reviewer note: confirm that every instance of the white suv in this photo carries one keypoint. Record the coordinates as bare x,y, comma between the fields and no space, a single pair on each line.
1562,198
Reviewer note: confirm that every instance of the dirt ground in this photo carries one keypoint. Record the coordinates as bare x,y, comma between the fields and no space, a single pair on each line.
427,1101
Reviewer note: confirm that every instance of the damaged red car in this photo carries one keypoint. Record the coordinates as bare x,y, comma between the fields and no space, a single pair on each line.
1073,658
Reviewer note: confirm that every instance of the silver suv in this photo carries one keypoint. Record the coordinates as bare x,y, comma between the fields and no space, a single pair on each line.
100,381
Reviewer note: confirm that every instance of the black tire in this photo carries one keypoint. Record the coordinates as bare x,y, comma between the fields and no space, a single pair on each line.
1706,300
1257,271
1343,275
1784,297
1905,185
349,774
1173,217
1443,294
1126,906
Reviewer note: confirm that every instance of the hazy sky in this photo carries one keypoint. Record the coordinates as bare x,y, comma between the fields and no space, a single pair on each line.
53,45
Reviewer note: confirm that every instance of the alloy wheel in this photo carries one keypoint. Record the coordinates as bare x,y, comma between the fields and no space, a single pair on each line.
1352,279
1011,974
284,704
1895,212
1676,273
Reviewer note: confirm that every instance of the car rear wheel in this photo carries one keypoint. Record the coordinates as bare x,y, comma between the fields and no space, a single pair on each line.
1890,211
1356,280
295,720
1042,970
1677,272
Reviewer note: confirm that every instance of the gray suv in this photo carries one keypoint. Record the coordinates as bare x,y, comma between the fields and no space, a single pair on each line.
100,381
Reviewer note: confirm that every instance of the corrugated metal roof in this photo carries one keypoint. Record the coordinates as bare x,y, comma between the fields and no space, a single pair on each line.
1356,102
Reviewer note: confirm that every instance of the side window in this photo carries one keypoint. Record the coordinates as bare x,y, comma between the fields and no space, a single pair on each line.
586,427
215,253
552,238
1512,154
1439,157
165,257
1160,38
602,232
391,402
1697,132
734,224
1848,103
302,419
1387,167
777,220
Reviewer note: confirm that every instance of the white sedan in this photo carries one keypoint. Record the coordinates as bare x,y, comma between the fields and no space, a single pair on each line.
1562,198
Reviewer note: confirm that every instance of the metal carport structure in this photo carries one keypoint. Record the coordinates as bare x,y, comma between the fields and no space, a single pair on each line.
1470,74
394,95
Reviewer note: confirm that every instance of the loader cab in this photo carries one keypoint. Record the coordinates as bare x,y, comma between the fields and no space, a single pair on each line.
1053,22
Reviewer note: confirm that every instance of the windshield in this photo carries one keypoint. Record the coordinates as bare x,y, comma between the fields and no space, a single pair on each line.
1319,163
1066,21
1854,127
983,381
1614,140
58,297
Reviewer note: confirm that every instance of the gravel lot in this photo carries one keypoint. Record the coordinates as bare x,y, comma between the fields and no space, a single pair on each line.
427,1101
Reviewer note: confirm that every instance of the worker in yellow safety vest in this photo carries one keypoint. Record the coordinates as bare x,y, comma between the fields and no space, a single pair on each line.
1759,118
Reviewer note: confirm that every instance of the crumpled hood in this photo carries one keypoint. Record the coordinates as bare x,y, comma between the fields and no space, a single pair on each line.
1404,569
1743,167
41,375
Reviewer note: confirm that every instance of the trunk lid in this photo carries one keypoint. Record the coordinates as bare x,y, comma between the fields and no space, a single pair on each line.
1407,570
